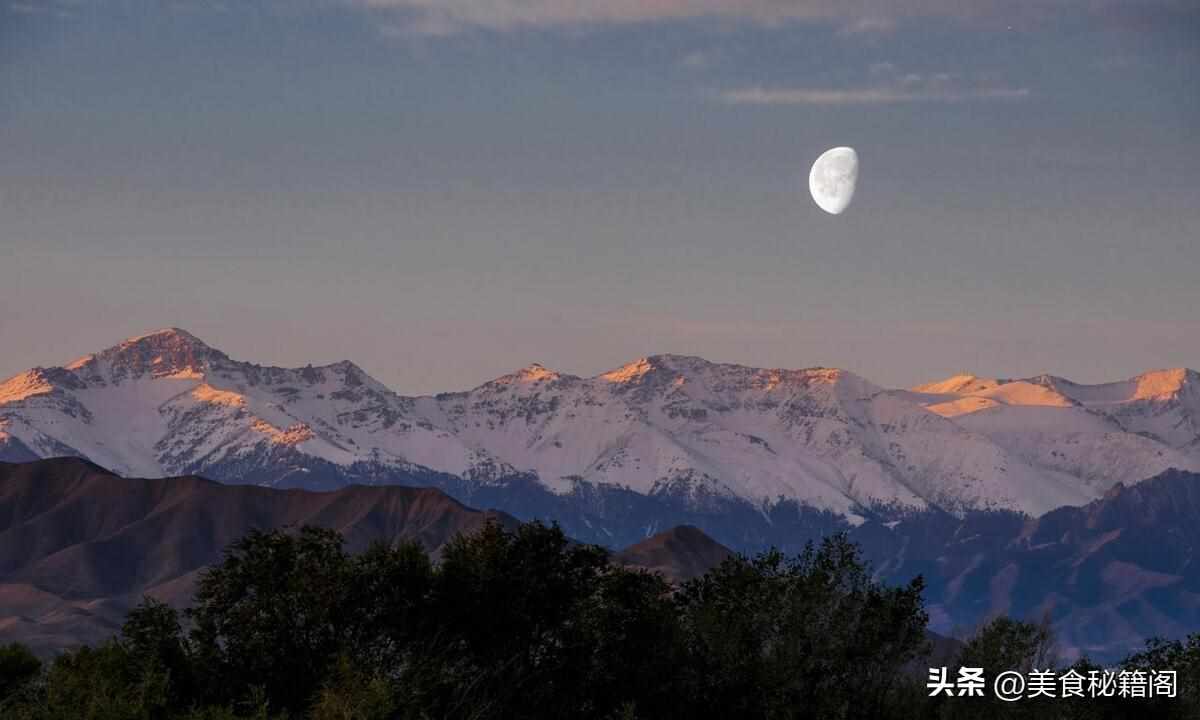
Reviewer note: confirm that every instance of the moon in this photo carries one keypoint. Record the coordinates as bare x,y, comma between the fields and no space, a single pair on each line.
832,179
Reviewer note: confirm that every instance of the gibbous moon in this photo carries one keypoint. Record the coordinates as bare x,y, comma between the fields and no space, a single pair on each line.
832,179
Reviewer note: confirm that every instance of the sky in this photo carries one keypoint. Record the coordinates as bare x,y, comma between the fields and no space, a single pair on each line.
446,190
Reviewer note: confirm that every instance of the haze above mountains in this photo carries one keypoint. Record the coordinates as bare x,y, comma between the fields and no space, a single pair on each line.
665,426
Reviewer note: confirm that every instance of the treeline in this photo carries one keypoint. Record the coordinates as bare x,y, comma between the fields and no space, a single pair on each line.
527,624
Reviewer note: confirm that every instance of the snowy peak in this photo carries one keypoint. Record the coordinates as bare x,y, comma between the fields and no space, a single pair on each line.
965,394
964,384
1100,433
632,372
661,368
1156,385
947,397
351,376
656,375
686,371
170,352
1164,384
536,372
166,403
530,374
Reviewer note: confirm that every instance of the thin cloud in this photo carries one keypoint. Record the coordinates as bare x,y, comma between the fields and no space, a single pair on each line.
888,85
510,15
865,96
852,17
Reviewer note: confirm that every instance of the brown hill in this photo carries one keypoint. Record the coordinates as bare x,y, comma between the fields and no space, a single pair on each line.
79,546
680,554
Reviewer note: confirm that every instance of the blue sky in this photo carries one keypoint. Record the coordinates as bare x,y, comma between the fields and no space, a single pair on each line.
443,192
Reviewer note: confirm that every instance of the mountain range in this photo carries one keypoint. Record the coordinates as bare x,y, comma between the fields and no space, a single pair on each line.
1107,575
79,546
662,441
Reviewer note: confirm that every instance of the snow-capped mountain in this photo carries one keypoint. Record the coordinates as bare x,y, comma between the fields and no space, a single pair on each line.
165,404
1100,434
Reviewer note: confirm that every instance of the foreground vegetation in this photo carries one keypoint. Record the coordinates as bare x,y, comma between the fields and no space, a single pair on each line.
527,624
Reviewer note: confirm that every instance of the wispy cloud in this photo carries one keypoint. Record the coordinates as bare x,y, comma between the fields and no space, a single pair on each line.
889,86
863,96
505,15
851,17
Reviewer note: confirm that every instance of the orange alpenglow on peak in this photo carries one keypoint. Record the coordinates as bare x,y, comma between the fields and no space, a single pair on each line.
1162,384
630,372
532,373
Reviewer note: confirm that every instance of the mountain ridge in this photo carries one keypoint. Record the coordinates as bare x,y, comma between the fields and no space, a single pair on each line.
79,546
166,403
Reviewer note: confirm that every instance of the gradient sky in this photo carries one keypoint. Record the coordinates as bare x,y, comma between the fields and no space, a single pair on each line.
446,191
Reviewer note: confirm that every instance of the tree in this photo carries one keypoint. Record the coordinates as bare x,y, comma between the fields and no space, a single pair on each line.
18,669
352,694
388,596
1007,644
104,683
506,610
155,643
273,614
628,647
521,624
1004,645
1180,656
811,636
